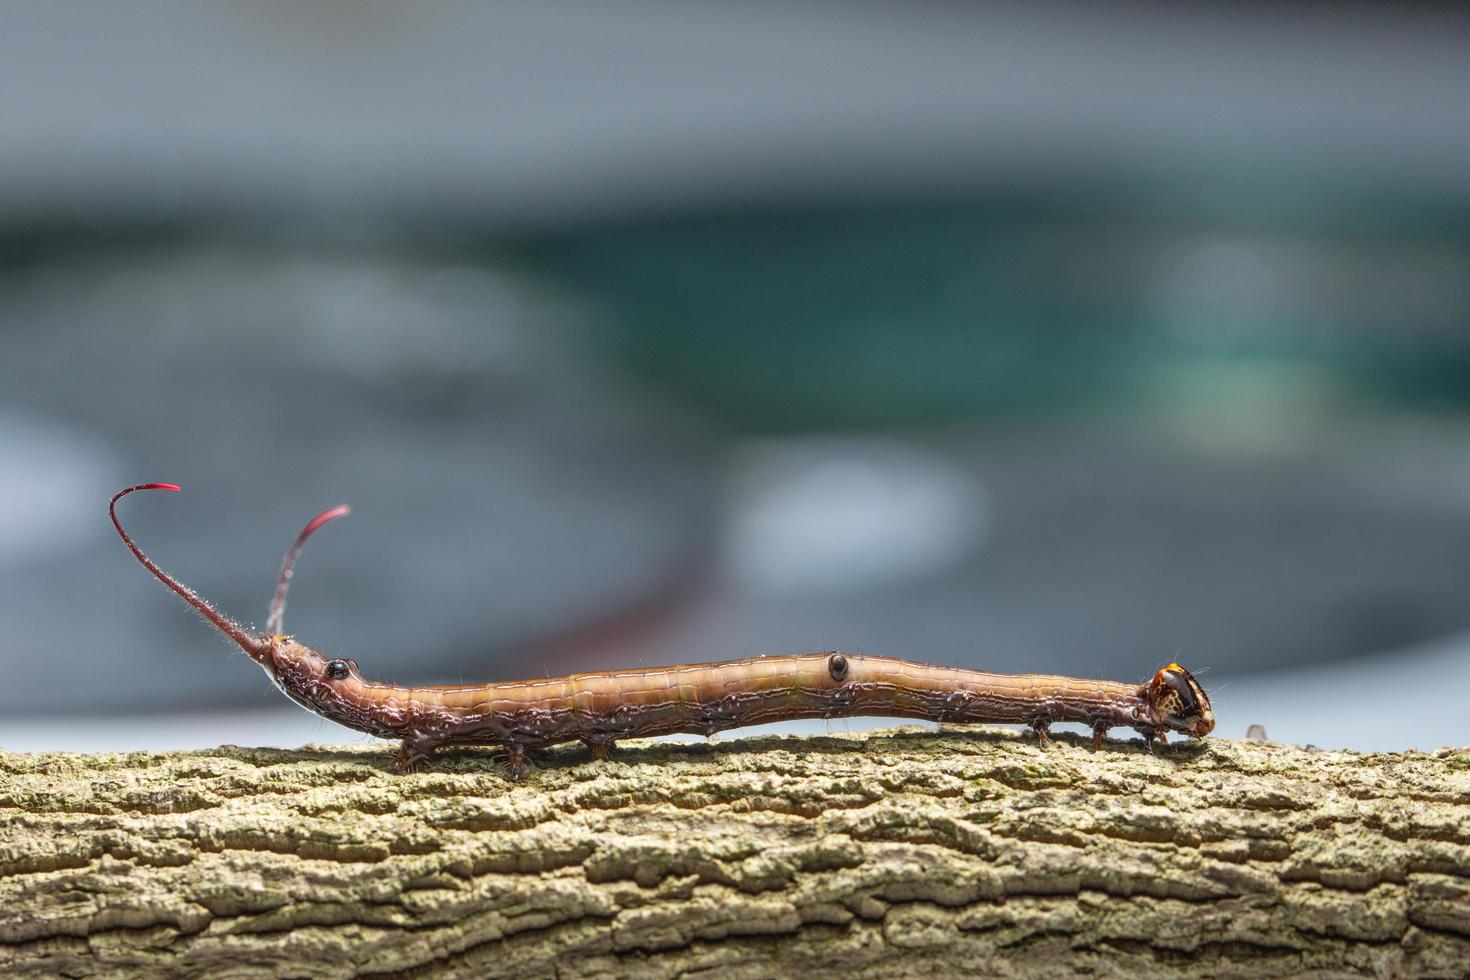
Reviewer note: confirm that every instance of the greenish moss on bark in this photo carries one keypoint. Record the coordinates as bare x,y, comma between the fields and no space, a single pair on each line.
901,853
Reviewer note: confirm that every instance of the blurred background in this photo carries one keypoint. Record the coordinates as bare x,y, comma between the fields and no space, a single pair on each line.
1035,337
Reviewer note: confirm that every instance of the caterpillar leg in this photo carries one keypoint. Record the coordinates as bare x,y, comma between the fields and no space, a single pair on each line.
1152,735
1041,728
600,749
1099,732
516,762
412,754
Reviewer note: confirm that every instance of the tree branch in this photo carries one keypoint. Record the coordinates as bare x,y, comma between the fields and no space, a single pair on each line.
897,854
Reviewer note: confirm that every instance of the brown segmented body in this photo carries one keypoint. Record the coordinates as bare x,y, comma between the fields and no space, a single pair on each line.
600,708
706,698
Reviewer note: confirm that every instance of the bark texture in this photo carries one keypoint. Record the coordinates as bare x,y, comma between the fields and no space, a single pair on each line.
899,854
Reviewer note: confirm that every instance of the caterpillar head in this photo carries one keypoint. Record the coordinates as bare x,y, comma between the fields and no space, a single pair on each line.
1177,703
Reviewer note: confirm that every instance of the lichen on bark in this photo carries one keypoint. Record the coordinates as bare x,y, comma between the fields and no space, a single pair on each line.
900,853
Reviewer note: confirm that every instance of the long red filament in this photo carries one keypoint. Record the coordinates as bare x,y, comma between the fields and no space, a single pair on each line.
277,618
251,644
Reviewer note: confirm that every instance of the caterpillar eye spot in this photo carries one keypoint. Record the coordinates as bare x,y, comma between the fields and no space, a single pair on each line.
337,670
837,666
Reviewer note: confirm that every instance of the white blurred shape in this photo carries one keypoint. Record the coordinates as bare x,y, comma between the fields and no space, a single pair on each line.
49,474
837,514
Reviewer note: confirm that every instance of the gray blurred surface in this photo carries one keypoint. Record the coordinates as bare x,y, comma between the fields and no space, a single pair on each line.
535,112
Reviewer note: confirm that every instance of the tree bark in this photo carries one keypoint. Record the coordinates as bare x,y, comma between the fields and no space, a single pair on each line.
905,853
